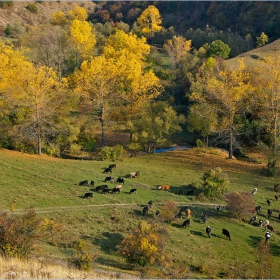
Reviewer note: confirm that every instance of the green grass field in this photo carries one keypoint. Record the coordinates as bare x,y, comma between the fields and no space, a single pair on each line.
50,185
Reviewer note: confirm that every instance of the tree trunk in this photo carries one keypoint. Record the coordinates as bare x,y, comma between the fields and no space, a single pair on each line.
39,140
102,127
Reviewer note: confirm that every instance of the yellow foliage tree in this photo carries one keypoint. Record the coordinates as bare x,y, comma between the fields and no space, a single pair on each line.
144,246
82,35
177,47
58,18
150,20
78,13
223,90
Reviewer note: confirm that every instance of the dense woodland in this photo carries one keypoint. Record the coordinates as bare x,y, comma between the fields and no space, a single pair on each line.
69,82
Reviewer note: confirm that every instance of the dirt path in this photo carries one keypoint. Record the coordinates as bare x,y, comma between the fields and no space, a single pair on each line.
83,207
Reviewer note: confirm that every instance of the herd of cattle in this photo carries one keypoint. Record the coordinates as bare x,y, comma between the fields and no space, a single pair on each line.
104,189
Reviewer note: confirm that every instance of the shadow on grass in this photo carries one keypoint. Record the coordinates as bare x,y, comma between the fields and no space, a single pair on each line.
254,241
108,241
113,263
194,232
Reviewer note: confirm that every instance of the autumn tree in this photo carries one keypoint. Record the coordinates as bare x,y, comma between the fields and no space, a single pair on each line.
262,40
145,245
78,13
240,204
169,211
149,21
95,82
177,47
265,107
224,90
156,125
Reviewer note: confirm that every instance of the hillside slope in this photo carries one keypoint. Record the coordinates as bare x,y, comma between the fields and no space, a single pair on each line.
19,13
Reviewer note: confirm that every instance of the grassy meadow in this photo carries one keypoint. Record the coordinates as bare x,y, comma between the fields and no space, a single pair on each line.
51,186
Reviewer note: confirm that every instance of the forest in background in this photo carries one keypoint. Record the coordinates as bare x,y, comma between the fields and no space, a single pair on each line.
123,68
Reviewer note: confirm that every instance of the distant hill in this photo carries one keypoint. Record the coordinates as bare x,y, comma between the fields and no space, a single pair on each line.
19,13
253,56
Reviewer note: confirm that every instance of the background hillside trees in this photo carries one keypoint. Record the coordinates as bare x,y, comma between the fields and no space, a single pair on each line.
224,90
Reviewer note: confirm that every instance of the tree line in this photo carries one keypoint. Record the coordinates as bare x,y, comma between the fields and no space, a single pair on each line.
66,79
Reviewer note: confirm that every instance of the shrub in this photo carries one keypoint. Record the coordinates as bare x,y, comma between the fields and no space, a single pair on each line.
169,210
32,8
112,153
215,182
240,204
19,234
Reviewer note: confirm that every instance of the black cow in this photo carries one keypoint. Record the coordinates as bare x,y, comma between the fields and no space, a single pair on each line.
107,170
226,233
133,191
184,209
88,194
116,190
218,208
208,231
110,179
276,197
186,223
267,236
157,213
113,166
92,183
100,188
145,210
269,213
150,203
258,208
83,183
120,180
104,191
253,219
254,191
268,202
205,218
260,222
270,228
181,192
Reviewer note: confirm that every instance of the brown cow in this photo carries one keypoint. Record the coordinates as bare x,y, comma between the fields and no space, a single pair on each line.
164,187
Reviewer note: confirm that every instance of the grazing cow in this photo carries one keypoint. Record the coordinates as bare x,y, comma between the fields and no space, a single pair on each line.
226,233
107,170
254,191
116,190
134,174
88,194
270,228
83,183
184,209
157,213
269,213
186,223
104,191
179,215
276,197
218,208
113,166
150,203
208,231
277,188
164,187
254,219
145,210
258,208
120,180
109,179
266,223
181,192
260,222
92,183
267,236
188,213
100,188
191,192
133,191
118,187
268,202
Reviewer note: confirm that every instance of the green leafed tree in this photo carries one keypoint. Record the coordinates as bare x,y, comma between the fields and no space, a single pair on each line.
218,48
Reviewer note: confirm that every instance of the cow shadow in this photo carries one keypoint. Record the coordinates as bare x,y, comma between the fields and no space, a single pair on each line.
194,232
254,240
108,241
